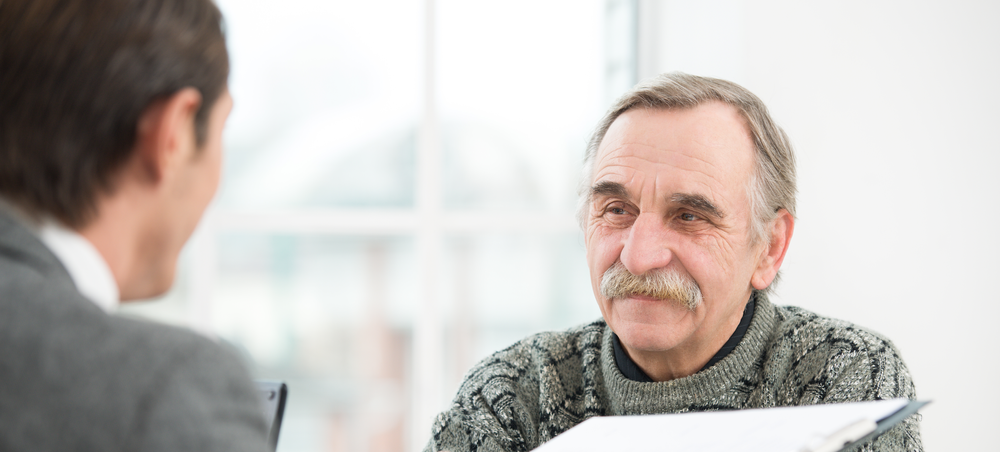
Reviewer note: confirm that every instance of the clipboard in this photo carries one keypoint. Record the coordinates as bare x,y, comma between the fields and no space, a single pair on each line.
884,424
810,428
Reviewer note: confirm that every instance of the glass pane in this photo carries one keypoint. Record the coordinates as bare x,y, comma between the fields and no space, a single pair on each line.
326,100
331,317
500,288
521,85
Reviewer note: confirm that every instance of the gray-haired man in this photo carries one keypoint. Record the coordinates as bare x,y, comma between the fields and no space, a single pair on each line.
687,208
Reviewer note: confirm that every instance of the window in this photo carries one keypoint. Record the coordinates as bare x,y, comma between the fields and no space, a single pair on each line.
398,199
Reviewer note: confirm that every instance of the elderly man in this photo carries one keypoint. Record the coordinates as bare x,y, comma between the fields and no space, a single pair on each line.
688,209
111,119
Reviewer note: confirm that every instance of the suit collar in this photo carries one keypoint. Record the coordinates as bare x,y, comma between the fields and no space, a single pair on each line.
84,263
57,252
18,243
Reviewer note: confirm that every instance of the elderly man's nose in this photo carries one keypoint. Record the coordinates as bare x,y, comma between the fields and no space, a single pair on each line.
646,245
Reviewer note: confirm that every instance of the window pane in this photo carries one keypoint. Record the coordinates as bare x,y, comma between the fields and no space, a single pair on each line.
330,316
326,100
521,84
500,288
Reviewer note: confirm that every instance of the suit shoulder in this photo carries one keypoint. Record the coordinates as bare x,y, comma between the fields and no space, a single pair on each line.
201,388
176,346
49,317
108,382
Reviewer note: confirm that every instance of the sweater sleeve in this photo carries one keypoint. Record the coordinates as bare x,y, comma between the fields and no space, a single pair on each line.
457,432
862,366
490,411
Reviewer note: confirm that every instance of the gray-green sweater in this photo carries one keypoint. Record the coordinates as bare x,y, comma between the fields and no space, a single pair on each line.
522,396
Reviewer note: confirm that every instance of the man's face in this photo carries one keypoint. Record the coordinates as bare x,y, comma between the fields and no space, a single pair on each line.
669,195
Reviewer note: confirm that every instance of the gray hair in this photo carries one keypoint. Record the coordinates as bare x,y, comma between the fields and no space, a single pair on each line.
772,183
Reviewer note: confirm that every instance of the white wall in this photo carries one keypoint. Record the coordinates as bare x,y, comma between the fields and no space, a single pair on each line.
894,109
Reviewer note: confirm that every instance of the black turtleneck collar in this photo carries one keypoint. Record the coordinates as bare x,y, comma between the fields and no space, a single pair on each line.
634,373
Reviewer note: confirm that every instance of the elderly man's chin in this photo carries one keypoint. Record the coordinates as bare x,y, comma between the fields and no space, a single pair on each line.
647,323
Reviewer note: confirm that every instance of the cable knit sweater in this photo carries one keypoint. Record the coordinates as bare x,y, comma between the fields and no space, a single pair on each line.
522,396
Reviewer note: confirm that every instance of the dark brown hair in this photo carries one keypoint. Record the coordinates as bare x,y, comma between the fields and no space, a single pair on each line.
75,76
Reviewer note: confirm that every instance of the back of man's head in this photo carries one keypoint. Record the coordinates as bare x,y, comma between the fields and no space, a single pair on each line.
75,77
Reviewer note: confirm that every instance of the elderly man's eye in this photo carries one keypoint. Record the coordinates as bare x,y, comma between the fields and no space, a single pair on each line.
688,217
616,210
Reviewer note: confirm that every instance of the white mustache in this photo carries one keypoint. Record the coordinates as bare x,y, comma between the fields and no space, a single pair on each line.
617,282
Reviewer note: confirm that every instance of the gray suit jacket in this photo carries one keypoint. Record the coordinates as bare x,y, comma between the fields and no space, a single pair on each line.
73,378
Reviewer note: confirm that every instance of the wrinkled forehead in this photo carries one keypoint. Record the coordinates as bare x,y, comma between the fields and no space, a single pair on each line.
712,139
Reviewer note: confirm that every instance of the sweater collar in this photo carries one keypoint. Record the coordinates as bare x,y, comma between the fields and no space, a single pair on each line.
631,370
57,252
632,397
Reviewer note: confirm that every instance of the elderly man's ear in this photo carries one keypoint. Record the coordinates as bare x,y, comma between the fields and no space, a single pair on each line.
166,137
774,253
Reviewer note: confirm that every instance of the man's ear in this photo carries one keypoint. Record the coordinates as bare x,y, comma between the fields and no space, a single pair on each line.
774,253
165,133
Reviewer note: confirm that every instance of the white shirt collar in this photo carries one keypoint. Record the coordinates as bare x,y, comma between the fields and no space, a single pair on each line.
86,266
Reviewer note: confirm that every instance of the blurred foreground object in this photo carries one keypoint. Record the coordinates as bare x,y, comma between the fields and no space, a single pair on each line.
111,119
